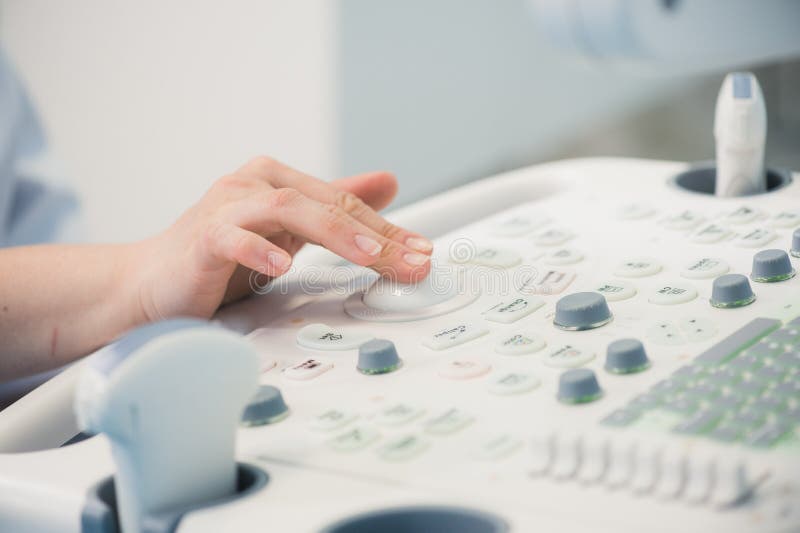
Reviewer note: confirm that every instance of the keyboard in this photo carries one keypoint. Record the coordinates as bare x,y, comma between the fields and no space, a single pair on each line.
595,349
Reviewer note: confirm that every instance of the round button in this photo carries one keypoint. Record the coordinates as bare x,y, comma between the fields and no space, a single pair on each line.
705,268
796,243
266,407
378,356
731,290
672,293
581,311
564,256
463,369
771,265
389,295
578,386
615,291
626,356
637,268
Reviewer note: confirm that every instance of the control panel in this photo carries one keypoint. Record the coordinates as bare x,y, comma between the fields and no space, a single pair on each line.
596,347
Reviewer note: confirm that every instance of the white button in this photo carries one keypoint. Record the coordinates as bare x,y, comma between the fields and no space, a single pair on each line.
683,221
403,448
497,447
786,219
512,310
637,268
323,337
697,329
550,282
399,414
513,383
700,474
520,343
635,211
455,335
568,456
705,268
354,439
672,293
542,452
755,238
463,369
710,234
621,458
564,256
645,470
332,419
615,291
672,480
595,460
487,256
567,356
665,333
552,237
732,483
308,369
518,225
448,422
741,215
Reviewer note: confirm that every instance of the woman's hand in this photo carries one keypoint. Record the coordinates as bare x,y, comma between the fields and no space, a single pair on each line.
256,219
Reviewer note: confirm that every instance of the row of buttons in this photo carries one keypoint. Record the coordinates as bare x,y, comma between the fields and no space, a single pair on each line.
645,467
687,219
702,268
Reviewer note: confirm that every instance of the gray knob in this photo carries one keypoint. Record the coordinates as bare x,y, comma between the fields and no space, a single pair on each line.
578,386
626,356
582,310
771,265
731,290
796,243
378,356
266,407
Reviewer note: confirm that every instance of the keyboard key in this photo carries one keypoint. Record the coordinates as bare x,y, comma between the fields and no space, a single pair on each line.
770,374
637,268
448,422
699,422
455,335
667,386
689,372
403,448
355,439
645,401
748,418
681,405
768,435
770,405
620,418
726,433
510,311
756,238
672,293
520,343
735,342
727,402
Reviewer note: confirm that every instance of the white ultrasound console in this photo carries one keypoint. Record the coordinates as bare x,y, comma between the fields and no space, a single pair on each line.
602,345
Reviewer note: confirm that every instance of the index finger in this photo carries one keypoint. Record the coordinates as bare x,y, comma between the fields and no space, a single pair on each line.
279,175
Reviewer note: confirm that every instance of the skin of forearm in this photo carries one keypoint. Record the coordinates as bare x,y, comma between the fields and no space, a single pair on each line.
60,302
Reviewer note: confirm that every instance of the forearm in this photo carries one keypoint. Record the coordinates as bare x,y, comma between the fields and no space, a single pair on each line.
59,302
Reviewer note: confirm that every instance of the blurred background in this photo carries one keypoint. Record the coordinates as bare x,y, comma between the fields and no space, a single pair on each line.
146,103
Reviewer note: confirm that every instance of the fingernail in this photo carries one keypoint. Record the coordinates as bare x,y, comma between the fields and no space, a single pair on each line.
367,245
278,262
416,259
420,244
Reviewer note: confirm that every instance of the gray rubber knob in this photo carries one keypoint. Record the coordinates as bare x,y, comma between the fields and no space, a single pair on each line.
578,386
378,356
582,310
266,407
732,290
626,356
771,265
796,243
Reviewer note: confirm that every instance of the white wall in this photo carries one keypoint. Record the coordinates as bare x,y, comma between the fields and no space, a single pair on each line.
147,102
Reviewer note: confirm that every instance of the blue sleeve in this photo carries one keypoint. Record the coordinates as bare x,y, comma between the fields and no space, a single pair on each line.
35,207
